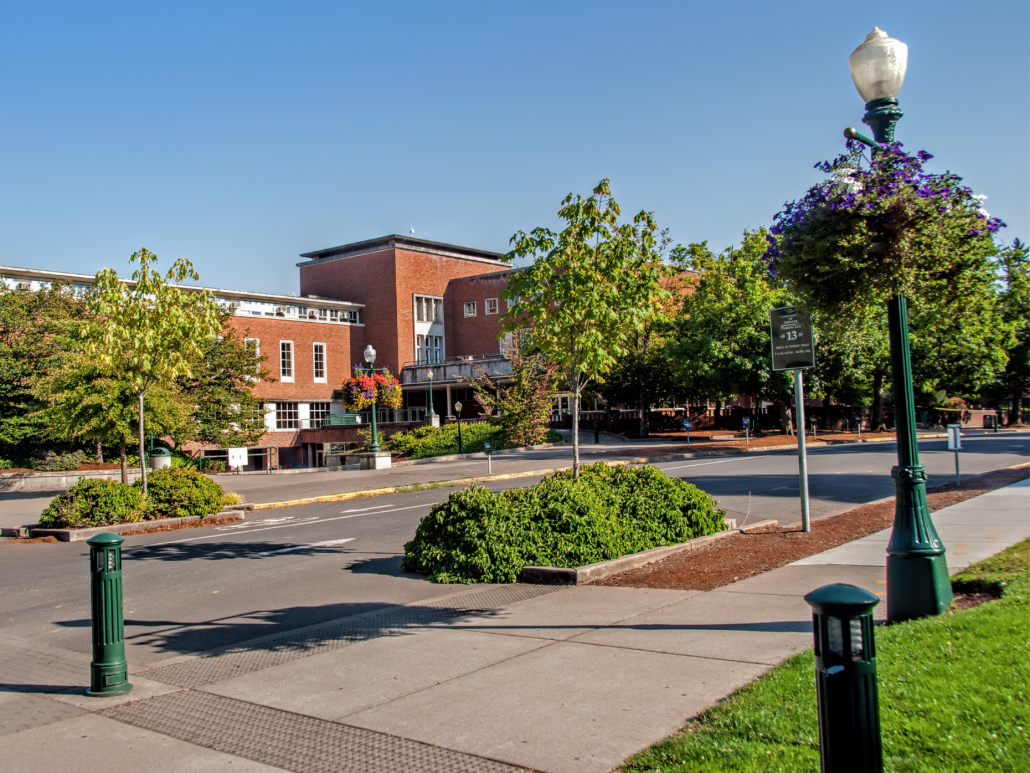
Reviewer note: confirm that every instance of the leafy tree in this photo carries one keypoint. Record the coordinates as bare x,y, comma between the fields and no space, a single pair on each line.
83,402
720,335
588,289
37,330
225,411
149,331
1014,308
522,407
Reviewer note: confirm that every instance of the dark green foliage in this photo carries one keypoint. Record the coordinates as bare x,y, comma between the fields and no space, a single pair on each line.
424,442
180,492
52,461
563,521
95,502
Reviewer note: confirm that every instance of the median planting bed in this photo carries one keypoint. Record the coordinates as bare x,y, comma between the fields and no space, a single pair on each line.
426,442
954,694
563,521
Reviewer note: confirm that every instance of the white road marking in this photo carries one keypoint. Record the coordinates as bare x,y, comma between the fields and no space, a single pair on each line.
290,520
324,543
283,526
363,509
396,510
700,464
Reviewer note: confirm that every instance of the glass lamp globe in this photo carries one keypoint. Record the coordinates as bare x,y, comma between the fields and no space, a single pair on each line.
878,66
430,375
370,354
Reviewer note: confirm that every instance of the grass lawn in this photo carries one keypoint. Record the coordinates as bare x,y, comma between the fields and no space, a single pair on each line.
953,694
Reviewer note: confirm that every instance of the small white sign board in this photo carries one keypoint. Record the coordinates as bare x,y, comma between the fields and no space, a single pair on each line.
954,437
237,457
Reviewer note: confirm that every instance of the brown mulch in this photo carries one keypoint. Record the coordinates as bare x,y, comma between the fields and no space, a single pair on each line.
743,555
166,527
969,600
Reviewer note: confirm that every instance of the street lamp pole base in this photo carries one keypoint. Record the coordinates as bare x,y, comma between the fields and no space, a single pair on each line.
922,587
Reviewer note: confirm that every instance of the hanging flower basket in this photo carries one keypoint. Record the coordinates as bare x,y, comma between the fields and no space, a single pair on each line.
360,389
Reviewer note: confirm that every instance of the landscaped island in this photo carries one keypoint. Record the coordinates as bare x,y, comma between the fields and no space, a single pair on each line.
563,521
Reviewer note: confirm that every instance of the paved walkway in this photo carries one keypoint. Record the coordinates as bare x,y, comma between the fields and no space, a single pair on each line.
499,678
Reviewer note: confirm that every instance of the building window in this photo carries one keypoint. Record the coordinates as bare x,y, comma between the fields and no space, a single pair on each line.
437,310
437,349
512,301
287,416
491,305
319,414
286,361
318,360
470,308
420,355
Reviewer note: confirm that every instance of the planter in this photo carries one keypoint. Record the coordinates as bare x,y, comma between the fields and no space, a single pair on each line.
77,535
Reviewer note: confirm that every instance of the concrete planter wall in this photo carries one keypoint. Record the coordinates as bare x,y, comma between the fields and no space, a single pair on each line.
57,481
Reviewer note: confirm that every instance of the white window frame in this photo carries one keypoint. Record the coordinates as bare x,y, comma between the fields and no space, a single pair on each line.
470,306
491,303
284,377
324,414
280,418
314,362
437,355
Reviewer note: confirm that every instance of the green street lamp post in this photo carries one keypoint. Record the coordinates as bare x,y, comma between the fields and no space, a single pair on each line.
918,584
431,411
457,409
370,358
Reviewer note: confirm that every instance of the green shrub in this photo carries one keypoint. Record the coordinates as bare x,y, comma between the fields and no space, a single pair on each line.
608,512
424,442
6,464
180,492
94,502
53,461
214,465
231,498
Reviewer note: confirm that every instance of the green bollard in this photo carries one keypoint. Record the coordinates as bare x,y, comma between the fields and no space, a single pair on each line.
108,670
845,679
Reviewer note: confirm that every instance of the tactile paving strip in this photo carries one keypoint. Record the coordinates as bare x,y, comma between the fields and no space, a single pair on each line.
291,741
246,660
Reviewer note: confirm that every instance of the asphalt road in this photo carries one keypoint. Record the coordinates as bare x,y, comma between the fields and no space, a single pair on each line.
192,590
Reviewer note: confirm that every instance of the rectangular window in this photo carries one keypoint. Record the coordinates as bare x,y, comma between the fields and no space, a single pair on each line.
470,308
513,301
318,413
287,416
491,305
437,348
318,361
419,314
437,310
420,349
286,361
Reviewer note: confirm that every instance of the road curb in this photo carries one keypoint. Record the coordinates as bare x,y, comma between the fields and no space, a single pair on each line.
77,535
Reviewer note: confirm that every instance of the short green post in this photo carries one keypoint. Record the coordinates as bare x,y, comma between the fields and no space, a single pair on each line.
108,671
845,679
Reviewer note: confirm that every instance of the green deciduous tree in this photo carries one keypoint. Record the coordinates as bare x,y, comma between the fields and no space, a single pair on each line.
149,331
523,407
589,288
1014,308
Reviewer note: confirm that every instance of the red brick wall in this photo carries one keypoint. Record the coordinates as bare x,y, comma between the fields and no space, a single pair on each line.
479,334
343,343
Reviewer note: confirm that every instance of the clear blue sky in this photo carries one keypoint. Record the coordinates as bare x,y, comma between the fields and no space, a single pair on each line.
239,134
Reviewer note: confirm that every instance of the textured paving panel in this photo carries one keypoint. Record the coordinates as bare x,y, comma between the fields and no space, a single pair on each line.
22,670
291,741
289,647
33,711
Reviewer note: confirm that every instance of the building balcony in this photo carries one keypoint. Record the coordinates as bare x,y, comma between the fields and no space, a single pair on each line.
455,369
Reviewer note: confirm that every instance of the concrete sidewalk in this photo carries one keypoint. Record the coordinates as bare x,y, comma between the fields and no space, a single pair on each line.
496,678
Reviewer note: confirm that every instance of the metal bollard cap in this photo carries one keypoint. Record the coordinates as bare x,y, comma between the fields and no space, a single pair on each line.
841,600
105,539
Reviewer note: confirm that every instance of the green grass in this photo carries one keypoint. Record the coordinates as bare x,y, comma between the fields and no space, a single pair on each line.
953,695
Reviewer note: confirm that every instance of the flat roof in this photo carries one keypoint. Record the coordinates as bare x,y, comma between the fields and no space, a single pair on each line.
409,242
241,295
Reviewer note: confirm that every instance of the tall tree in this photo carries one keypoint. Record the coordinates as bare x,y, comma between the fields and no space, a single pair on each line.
220,390
720,336
587,290
150,330
1014,307
37,330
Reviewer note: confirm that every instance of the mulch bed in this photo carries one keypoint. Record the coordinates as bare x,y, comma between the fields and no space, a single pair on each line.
734,558
167,527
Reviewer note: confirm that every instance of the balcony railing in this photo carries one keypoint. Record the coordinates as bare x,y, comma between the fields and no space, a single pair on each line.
455,369
362,418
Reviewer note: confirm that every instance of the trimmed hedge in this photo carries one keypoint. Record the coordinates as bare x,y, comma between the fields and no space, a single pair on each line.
424,442
177,492
608,512
55,462
95,502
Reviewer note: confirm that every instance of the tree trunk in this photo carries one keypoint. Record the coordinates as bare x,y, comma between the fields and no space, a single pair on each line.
125,466
645,427
575,424
876,422
1017,403
786,418
142,464
100,453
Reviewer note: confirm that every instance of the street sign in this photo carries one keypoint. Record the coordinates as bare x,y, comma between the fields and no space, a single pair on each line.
746,421
237,457
488,445
686,424
793,345
954,437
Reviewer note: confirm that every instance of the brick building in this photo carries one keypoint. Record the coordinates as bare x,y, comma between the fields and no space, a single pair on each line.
422,305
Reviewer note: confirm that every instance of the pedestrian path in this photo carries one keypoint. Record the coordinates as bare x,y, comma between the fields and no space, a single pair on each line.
496,678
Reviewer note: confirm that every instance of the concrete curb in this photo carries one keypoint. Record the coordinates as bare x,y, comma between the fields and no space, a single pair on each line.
581,575
77,535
